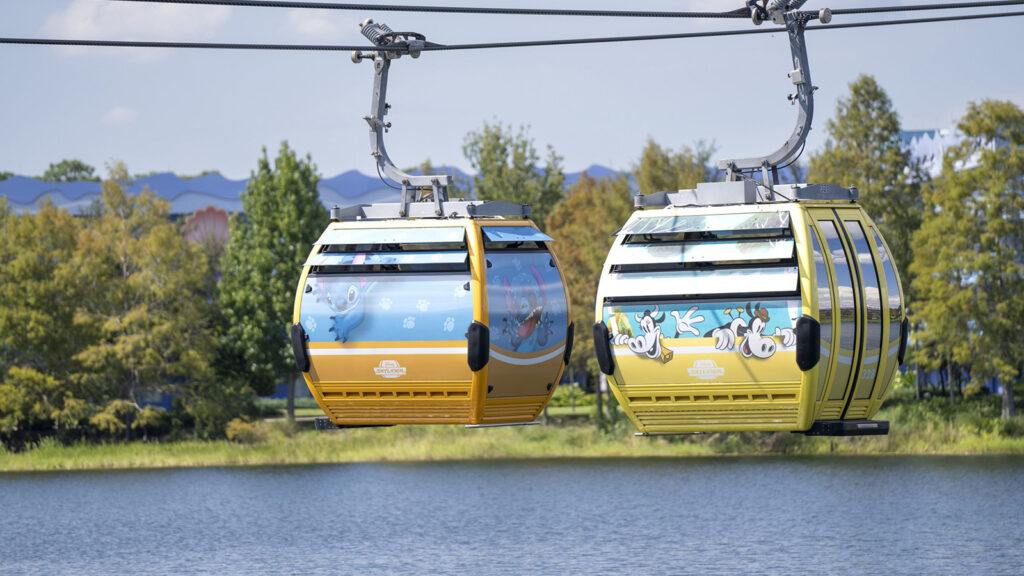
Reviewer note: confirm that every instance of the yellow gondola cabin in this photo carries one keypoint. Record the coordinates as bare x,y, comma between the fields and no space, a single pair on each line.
751,314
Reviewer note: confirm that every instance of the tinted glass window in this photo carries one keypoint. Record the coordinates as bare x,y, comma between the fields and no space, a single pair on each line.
847,312
824,310
873,304
894,304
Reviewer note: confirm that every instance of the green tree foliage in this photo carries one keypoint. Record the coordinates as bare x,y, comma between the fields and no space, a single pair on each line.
865,149
661,169
968,262
507,168
143,302
5,175
283,217
39,292
69,171
38,337
31,399
582,226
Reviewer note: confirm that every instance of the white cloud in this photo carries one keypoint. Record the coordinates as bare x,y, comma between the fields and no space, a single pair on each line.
119,115
102,20
310,25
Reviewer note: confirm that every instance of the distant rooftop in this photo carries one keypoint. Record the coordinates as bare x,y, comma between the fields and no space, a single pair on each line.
190,195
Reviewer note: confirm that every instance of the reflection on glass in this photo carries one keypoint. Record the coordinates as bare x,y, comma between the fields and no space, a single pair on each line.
873,303
369,259
515,234
527,311
386,307
847,312
824,310
706,223
349,236
692,282
727,251
892,291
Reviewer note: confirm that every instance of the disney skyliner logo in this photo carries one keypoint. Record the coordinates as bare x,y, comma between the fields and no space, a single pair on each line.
702,369
706,370
389,369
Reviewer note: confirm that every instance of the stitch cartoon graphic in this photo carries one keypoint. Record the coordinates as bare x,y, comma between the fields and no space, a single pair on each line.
524,304
346,300
649,341
755,343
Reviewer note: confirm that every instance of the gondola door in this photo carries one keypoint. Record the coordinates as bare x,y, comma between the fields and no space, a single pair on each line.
528,319
857,228
846,308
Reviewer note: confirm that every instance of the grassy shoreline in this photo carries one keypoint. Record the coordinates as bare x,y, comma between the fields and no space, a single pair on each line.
282,444
929,426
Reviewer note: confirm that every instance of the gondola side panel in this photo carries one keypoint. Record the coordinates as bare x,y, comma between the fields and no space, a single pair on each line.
478,284
808,297
388,347
708,365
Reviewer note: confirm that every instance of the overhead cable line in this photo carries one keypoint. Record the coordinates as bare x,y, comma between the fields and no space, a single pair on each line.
919,7
399,47
738,13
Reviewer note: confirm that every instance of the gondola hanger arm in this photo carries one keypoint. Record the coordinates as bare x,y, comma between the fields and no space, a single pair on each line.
398,44
786,13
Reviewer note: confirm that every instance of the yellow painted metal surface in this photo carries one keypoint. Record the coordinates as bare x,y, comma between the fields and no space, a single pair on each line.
699,383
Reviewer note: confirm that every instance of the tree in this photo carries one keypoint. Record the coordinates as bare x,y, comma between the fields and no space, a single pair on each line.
283,217
5,175
969,262
38,291
507,169
38,337
142,301
69,171
662,169
582,226
865,149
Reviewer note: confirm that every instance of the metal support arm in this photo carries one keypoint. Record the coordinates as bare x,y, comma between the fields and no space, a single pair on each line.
401,43
784,12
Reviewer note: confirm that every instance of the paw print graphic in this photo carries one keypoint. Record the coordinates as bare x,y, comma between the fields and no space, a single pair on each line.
310,323
409,323
385,303
449,324
423,305
461,290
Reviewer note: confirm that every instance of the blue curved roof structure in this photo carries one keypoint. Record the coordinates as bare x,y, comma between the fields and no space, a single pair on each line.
187,195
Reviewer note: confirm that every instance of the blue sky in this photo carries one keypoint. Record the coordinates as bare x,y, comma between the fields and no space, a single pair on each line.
190,110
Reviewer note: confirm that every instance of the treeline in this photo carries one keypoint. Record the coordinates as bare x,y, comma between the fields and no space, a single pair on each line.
957,238
101,313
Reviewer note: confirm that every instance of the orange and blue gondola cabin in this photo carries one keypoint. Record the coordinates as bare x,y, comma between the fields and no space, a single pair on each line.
428,321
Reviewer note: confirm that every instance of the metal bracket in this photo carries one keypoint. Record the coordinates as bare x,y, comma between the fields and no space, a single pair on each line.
398,44
787,13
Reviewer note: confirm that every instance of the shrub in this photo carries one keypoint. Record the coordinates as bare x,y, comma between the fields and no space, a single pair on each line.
244,432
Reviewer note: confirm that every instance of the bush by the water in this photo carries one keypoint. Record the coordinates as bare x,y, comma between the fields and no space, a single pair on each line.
243,432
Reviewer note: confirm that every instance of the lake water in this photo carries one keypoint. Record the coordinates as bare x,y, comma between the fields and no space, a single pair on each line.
852,515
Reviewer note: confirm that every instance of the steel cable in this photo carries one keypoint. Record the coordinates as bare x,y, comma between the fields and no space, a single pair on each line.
487,45
739,13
